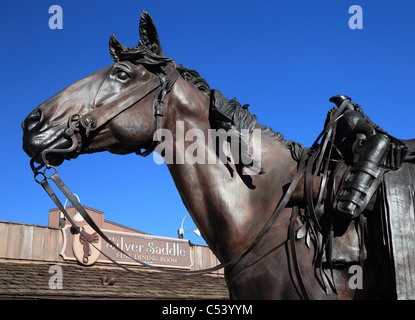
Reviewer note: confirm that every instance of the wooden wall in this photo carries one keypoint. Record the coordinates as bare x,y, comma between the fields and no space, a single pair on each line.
29,242
203,258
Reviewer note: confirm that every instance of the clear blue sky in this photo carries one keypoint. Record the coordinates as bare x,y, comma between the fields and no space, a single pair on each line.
284,58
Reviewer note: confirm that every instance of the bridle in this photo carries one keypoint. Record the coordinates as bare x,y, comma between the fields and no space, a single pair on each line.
163,80
94,120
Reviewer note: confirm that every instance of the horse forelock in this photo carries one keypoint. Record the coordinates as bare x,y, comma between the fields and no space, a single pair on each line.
139,54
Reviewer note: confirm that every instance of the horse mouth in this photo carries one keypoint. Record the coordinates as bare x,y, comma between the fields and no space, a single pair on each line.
65,147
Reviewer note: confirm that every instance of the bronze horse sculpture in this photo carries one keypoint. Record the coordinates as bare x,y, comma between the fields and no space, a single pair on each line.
121,107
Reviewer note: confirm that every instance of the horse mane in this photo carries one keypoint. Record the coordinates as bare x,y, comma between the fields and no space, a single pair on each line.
231,115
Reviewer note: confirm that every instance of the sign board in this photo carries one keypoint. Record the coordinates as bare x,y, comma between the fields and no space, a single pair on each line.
154,250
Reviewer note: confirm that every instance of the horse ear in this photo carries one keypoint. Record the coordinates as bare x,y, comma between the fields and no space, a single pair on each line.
115,48
148,34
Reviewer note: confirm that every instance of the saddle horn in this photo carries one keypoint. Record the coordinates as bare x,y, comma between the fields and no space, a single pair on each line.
339,99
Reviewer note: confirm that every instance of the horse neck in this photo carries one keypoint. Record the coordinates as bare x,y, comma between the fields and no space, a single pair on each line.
228,210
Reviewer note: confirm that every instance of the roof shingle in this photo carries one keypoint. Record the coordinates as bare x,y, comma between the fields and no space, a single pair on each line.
22,279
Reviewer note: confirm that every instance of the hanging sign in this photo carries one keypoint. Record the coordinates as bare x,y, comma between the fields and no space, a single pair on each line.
154,250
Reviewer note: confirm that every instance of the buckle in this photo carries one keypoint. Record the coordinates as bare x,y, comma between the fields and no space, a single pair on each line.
159,109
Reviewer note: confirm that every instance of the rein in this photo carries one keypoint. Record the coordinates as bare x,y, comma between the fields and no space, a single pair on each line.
70,196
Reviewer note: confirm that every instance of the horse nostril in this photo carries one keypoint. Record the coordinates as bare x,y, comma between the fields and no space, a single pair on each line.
32,120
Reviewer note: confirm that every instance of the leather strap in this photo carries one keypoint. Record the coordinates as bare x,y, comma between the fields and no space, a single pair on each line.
167,84
118,104
313,167
244,263
299,277
115,105
44,183
65,190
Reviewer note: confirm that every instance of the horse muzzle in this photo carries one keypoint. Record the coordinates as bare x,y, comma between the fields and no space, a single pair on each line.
51,148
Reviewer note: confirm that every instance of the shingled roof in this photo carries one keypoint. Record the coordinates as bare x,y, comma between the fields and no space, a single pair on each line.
31,280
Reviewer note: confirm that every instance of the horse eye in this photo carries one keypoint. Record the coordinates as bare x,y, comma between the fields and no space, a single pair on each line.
122,75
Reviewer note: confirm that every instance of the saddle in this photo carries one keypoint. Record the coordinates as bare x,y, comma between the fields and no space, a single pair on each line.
341,241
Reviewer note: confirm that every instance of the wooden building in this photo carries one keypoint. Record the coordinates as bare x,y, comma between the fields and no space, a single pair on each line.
41,262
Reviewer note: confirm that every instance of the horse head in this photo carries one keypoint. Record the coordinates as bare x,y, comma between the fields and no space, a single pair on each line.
112,109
